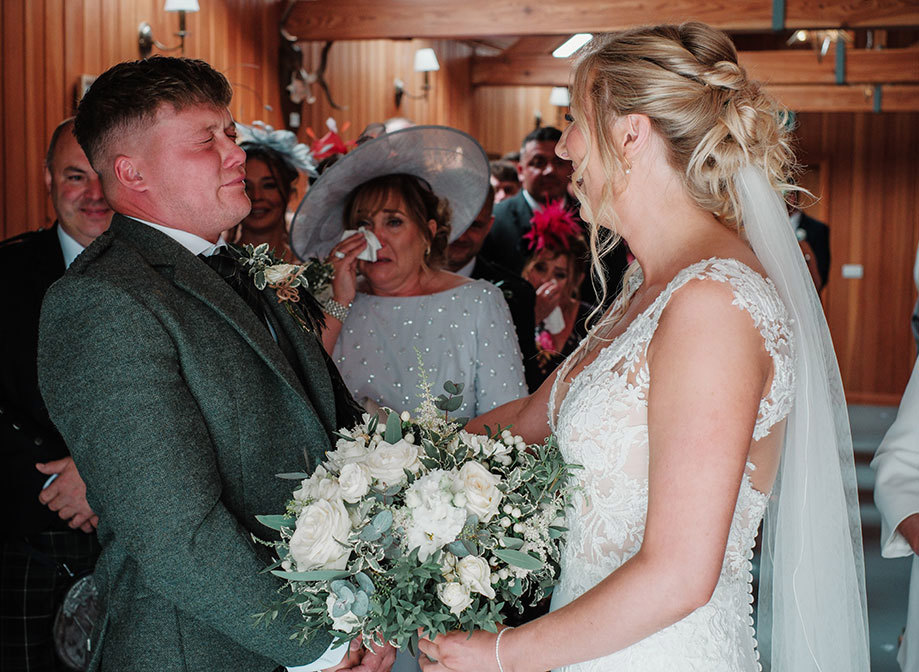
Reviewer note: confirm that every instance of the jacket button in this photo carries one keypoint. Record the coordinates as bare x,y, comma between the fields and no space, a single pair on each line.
38,441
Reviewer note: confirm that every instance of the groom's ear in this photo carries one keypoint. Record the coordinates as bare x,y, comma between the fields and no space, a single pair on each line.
128,174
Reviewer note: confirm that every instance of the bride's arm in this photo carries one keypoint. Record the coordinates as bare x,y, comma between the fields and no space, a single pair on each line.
708,369
528,415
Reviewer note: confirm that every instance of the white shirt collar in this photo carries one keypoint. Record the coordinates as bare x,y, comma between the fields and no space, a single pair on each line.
191,242
70,248
466,271
534,205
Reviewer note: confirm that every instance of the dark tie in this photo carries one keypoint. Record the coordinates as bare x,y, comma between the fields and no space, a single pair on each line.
225,263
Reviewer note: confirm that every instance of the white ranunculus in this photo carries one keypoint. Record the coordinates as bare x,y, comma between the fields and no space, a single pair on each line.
433,520
475,574
320,528
279,272
354,481
454,595
480,487
388,461
345,623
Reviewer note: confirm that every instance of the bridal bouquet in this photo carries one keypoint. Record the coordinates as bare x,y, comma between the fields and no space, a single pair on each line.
414,523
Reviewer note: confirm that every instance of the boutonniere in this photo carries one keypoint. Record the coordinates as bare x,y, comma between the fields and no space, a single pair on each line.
267,270
506,291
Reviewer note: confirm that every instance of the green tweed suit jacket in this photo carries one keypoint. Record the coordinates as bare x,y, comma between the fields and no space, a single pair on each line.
179,409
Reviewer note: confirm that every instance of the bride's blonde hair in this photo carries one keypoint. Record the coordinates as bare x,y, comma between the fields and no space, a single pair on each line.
712,117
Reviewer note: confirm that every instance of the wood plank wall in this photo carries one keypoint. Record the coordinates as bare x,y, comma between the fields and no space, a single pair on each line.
869,191
361,75
49,44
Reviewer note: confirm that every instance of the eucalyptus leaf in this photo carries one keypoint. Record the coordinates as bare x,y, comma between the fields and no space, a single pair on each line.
312,575
382,521
516,588
393,432
512,543
365,583
457,548
293,476
556,532
452,404
518,558
451,387
277,522
370,533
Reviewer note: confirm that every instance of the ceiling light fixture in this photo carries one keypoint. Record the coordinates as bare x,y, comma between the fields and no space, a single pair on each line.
572,44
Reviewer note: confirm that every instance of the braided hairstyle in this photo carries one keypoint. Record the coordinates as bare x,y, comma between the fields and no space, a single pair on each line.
712,117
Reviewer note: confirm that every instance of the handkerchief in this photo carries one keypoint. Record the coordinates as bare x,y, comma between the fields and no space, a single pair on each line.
369,253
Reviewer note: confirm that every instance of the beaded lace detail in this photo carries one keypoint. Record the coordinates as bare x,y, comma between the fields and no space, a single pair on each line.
602,425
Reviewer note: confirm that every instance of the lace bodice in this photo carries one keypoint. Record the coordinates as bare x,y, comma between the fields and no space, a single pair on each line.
602,425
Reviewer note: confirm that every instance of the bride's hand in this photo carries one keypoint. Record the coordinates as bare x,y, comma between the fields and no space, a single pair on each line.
460,652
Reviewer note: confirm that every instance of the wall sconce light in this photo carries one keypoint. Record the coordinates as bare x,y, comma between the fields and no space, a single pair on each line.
559,96
145,39
425,61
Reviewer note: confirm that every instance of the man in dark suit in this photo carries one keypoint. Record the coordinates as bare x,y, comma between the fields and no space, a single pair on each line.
179,399
545,177
52,526
814,238
463,258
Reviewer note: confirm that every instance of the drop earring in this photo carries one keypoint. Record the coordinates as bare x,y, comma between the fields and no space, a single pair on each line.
628,170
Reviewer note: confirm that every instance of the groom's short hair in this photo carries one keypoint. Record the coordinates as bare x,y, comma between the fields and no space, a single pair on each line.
126,98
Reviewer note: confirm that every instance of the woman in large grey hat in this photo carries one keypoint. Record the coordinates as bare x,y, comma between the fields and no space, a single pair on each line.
406,195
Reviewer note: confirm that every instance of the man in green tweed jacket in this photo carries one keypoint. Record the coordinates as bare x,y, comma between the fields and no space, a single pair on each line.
179,402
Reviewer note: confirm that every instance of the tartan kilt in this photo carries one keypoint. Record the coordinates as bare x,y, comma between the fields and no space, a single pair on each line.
30,592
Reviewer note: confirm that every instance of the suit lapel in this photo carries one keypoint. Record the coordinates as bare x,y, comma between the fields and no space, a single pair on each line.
194,277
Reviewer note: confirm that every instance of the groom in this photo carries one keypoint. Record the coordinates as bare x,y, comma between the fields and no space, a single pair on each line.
179,401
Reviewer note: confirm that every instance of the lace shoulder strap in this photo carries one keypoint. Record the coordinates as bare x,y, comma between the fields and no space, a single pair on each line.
758,296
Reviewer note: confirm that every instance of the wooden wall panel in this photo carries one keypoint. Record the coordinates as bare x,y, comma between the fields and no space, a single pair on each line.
505,114
361,73
48,44
870,199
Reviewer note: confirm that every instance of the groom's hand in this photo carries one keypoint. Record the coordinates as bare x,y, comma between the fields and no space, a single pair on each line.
378,659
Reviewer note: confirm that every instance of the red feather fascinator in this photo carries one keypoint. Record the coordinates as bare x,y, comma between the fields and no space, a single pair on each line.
552,227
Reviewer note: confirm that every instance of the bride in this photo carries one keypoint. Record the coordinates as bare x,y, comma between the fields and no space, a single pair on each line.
707,396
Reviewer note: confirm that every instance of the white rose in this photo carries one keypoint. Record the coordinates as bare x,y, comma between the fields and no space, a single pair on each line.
480,487
321,485
345,623
475,574
454,595
349,450
388,461
279,272
320,528
354,482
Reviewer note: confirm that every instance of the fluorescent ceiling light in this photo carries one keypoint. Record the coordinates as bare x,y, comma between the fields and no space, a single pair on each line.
572,44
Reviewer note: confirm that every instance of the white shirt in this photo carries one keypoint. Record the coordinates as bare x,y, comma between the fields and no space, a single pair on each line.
466,271
198,245
535,206
70,248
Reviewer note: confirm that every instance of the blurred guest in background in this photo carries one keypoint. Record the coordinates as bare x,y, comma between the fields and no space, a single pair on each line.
814,239
274,160
50,523
463,258
504,179
556,271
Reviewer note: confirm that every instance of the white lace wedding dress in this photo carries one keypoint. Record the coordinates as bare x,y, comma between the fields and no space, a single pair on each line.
602,425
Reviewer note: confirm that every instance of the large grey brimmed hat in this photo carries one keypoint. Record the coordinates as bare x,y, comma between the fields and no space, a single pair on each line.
452,162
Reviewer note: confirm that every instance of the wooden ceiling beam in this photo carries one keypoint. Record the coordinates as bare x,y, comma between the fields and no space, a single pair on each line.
382,19
849,98
863,66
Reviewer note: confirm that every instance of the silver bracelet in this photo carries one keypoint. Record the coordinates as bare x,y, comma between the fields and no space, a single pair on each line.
497,644
333,308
